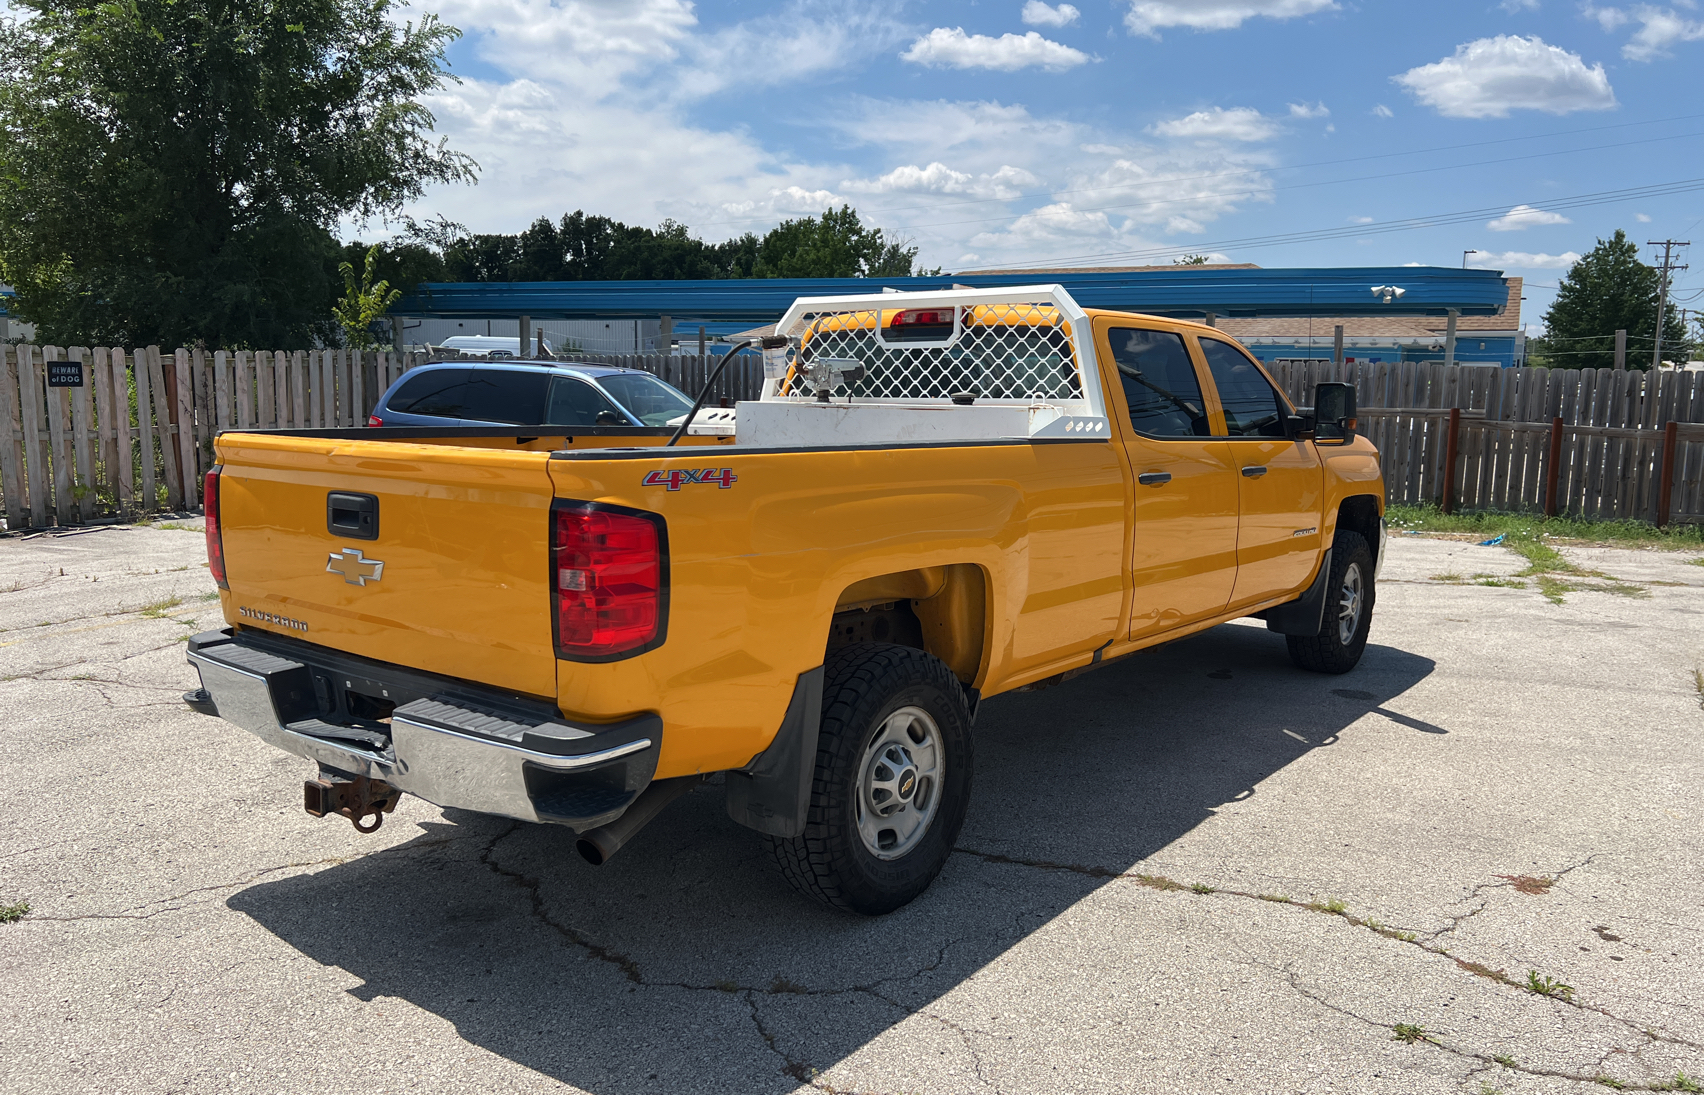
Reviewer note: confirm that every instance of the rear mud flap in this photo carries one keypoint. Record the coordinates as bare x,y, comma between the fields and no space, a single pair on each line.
773,793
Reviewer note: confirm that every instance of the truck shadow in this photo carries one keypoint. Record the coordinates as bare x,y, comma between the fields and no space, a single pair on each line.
687,964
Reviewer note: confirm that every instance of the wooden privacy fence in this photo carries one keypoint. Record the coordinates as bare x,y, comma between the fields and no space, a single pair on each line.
136,435
1592,443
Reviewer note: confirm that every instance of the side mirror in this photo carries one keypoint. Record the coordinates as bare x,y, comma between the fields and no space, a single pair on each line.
1334,412
1299,427
610,418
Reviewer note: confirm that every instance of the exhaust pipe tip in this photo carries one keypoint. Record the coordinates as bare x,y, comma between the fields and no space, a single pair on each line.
596,846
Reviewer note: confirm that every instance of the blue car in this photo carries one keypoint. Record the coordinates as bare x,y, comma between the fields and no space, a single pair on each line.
475,393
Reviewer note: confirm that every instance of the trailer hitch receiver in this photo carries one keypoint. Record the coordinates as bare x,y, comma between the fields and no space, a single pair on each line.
356,799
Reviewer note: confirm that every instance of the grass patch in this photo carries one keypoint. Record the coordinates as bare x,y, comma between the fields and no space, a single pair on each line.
1608,1081
1275,897
1159,882
1500,583
1330,905
13,911
1532,526
158,610
214,596
175,526
1201,887
1681,1082
1505,1060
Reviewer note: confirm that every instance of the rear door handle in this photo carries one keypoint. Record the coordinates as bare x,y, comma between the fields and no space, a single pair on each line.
1154,478
1254,471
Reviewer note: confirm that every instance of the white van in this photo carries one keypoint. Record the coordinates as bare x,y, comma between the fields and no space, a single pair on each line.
491,345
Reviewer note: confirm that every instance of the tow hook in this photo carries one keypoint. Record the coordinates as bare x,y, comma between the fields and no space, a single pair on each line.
356,799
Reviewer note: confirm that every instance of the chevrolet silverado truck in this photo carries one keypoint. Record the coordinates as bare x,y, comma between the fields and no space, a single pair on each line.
938,498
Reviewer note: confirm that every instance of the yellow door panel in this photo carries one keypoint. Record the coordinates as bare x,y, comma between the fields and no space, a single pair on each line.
1184,486
1278,539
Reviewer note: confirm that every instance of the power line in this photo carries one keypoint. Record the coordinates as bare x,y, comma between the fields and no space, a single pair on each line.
1602,197
1234,195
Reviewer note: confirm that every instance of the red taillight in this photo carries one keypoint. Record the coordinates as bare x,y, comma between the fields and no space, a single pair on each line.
375,420
928,317
608,581
215,538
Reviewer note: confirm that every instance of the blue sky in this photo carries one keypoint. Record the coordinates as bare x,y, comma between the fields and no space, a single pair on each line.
1006,132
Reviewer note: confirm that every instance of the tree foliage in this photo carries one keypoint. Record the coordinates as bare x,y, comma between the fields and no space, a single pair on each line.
1608,290
586,247
172,170
364,302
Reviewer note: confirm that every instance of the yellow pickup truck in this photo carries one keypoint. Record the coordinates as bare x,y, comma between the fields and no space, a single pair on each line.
938,498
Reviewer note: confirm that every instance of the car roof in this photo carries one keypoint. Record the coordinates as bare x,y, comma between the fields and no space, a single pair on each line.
580,368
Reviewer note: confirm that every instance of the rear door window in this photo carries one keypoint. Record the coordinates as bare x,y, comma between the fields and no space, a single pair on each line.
1159,381
576,403
514,396
437,392
1252,405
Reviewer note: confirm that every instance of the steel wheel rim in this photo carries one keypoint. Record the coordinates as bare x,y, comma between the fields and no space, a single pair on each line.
899,783
1349,600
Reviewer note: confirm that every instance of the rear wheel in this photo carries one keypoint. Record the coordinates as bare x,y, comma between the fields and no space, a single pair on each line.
891,784
1348,612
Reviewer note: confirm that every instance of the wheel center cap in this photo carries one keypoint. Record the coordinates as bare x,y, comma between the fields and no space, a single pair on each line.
907,783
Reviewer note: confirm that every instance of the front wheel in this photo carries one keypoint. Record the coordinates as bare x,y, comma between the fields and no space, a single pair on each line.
891,784
1348,612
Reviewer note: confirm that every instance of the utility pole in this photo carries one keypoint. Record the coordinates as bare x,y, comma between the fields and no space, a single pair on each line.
1668,267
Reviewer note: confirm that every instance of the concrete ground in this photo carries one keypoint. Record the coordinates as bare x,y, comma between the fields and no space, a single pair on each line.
1194,869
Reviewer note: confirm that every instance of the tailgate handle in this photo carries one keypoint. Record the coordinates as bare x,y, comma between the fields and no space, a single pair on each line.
353,515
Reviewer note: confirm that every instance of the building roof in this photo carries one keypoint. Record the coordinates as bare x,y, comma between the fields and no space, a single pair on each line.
1428,328
1050,270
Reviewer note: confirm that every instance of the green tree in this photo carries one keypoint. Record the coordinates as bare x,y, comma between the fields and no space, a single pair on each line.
363,303
834,245
172,170
1608,290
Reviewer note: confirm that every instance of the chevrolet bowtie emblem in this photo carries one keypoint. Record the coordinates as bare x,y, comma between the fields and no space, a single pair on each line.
356,569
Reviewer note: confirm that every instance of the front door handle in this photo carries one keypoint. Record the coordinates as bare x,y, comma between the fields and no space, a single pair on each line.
1154,478
1254,471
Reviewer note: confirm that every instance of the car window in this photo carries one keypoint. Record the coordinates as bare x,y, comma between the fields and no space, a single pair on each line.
438,392
576,403
1159,383
651,400
1252,405
513,396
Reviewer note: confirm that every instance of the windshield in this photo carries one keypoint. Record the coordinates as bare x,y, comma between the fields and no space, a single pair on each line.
649,399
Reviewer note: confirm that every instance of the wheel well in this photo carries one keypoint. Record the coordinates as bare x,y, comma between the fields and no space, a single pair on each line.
941,610
1361,514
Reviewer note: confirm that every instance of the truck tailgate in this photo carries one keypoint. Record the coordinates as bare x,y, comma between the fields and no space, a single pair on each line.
462,533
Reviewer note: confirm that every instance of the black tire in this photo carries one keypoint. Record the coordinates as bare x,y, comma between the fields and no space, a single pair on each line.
1329,651
864,684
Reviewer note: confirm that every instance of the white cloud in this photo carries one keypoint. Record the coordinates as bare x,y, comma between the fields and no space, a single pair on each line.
1100,149
1382,111
1522,217
605,41
1237,124
1305,110
1489,77
1522,260
1038,14
1514,6
1659,28
1360,220
1146,17
1006,183
1642,218
1607,18
946,47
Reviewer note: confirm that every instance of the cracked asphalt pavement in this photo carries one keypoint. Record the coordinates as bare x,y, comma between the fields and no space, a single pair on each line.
1473,864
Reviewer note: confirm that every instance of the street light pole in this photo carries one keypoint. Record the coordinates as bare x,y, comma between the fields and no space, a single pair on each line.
1464,255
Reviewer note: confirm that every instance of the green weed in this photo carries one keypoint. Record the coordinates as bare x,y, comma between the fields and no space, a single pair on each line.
158,610
1505,1060
1330,905
1681,1082
1608,1081
1275,897
1410,1033
1201,887
13,911
1544,986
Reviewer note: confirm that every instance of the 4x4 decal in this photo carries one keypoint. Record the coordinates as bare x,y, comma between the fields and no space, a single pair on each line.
674,480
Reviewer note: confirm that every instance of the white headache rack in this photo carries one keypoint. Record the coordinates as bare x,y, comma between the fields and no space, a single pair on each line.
957,364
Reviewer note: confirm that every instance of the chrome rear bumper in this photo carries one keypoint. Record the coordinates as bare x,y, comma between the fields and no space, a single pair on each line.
446,749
